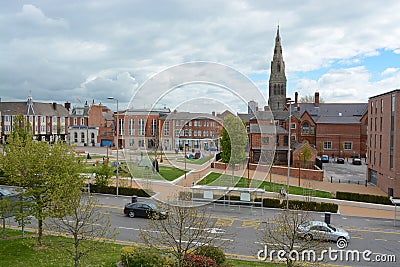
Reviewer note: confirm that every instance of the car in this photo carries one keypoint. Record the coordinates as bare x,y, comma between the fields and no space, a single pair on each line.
340,160
4,193
144,209
211,149
325,158
357,161
318,230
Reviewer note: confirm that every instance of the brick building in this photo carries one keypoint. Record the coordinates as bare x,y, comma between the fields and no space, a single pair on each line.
384,141
49,121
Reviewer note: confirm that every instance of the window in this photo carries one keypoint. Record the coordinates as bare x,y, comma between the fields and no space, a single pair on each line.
141,143
131,142
306,128
153,127
293,125
76,137
166,128
286,140
381,105
82,137
121,126
327,145
348,145
293,138
131,127
265,140
380,125
75,121
141,127
82,121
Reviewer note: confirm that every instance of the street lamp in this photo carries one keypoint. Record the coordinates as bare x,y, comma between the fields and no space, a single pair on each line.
116,181
290,102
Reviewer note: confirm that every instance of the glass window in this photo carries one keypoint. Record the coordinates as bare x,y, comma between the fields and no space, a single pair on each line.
348,145
327,145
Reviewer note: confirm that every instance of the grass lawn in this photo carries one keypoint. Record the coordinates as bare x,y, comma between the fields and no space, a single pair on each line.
24,252
195,161
165,172
218,179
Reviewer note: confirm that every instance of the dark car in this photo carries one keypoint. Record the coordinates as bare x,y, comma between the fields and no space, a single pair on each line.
356,161
340,160
146,210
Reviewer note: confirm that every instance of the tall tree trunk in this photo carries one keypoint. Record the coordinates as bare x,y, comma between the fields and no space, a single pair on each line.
40,232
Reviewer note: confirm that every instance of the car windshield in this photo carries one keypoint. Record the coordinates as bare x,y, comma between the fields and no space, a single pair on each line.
332,227
5,192
152,206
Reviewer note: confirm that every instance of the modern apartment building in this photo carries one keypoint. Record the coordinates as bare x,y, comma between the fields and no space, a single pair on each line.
384,141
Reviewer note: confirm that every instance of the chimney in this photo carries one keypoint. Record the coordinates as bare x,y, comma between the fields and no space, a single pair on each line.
213,113
316,99
266,108
174,111
54,105
67,105
256,108
296,97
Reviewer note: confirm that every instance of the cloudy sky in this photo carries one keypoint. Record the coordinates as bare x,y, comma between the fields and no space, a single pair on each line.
83,50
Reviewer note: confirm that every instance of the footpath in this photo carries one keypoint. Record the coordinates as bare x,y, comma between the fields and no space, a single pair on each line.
346,208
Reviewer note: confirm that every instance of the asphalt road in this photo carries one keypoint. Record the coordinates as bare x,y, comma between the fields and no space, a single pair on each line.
243,230
346,172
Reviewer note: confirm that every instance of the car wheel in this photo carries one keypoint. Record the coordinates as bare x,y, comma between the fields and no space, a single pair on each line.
131,214
342,242
308,237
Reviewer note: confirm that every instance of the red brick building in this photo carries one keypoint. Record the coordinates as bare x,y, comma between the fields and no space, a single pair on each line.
384,141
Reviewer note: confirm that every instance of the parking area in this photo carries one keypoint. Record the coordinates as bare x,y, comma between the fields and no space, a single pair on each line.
345,173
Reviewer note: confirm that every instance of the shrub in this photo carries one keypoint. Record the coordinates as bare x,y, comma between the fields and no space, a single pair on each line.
126,191
192,260
271,203
311,206
363,198
144,257
211,252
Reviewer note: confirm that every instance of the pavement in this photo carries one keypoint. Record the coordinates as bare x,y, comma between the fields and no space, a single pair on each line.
168,190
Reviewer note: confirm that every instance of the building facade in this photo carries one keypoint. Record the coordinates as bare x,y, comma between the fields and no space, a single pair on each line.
384,142
49,121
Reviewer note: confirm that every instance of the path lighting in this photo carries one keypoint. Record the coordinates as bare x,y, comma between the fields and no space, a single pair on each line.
116,181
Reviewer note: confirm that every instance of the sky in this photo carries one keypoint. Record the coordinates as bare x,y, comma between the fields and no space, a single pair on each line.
90,50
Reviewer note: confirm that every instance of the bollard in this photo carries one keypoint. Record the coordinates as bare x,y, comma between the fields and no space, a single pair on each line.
331,180
339,181
348,181
365,183
358,182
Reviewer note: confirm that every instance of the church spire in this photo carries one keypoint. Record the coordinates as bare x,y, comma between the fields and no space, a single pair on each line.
277,79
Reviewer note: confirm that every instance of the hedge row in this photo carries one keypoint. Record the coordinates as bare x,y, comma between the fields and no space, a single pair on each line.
125,191
363,198
275,203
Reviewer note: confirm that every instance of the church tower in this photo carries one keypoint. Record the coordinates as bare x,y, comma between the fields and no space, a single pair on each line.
277,78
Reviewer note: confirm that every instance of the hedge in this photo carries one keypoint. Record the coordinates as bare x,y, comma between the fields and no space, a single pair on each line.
363,198
311,206
144,257
125,191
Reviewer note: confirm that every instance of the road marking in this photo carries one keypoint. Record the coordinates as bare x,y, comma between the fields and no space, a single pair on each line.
357,237
224,221
372,231
380,239
247,224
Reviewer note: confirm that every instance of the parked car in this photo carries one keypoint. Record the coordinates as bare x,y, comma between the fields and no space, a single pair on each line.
4,193
325,158
340,160
143,209
356,161
323,231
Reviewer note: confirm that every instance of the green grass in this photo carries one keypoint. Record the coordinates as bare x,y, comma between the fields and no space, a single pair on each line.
218,179
24,252
195,161
165,172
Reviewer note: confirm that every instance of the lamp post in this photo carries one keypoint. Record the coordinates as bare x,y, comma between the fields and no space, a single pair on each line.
116,180
290,102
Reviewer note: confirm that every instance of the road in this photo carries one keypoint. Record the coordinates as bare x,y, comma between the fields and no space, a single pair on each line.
243,228
346,172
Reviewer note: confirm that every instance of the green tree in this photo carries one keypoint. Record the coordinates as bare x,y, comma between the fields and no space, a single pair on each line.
233,141
103,173
84,223
48,175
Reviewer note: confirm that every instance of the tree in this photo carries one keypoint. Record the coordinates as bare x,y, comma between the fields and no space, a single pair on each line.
184,230
103,173
233,141
310,99
279,233
47,175
87,226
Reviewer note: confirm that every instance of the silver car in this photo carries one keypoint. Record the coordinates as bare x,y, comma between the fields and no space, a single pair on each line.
323,231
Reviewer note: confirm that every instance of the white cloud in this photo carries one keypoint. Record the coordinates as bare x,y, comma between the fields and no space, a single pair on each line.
390,71
61,50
